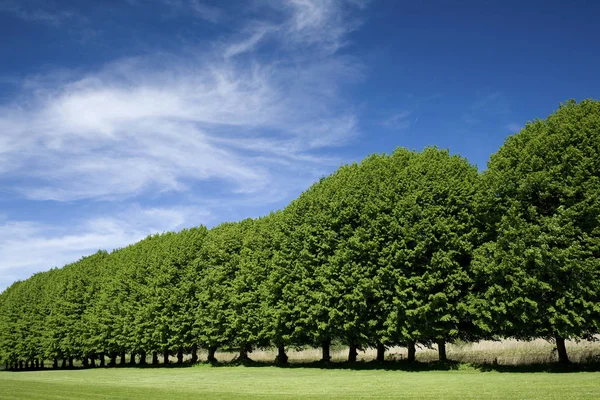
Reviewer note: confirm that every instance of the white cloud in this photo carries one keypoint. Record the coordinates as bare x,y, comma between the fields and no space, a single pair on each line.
157,122
470,119
35,11
399,121
514,127
250,40
247,129
486,107
324,23
198,8
206,12
27,247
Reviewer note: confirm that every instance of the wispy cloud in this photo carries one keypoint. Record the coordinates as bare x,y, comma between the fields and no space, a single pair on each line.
224,126
399,121
155,123
35,11
413,107
250,39
322,26
198,8
486,106
514,127
470,118
206,12
27,247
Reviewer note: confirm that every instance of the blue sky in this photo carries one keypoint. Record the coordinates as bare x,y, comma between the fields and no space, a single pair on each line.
121,118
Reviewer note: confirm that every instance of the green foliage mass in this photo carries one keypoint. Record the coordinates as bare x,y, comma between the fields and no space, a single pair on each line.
403,248
538,273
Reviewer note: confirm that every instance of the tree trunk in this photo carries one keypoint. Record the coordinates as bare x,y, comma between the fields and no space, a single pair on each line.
326,344
194,354
85,362
102,360
20,364
412,351
55,363
64,363
132,358
563,357
93,361
180,355
166,356
442,350
37,363
155,358
123,358
70,362
211,354
281,358
42,363
352,353
26,364
113,359
380,352
243,353
143,357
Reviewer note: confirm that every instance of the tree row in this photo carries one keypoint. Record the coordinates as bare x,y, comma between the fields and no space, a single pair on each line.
401,249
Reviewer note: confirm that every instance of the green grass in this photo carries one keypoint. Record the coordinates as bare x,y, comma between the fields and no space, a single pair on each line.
205,382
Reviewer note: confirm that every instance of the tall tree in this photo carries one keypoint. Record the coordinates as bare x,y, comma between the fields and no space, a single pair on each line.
217,266
538,275
310,297
433,249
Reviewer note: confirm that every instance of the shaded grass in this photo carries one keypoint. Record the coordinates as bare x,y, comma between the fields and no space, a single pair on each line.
403,365
334,381
406,366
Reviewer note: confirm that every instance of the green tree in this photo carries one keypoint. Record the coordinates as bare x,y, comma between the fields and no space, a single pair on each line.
217,266
309,298
538,274
433,248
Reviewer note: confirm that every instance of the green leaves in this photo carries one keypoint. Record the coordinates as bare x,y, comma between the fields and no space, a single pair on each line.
541,265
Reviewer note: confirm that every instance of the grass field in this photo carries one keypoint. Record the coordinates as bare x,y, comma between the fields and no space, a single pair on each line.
486,370
268,382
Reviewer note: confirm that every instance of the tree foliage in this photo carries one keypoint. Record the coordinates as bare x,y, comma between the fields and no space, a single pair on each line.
539,271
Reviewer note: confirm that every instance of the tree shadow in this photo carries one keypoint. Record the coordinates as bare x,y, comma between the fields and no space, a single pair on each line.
395,365
416,366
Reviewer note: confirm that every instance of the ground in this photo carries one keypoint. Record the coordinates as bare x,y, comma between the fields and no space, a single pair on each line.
270,382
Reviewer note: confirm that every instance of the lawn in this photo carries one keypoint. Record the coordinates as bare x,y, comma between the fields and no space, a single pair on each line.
239,382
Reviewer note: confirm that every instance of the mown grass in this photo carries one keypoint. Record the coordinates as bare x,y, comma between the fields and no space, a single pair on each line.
338,381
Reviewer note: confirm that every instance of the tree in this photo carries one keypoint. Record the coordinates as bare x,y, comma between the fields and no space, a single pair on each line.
179,294
309,298
359,206
217,266
433,247
538,274
11,303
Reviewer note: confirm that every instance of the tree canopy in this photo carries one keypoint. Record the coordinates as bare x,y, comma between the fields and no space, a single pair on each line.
538,272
